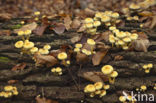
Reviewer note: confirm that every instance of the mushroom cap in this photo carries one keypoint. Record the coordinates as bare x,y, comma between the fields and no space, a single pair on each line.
107,69
90,88
105,18
147,71
98,85
8,88
150,65
145,66
143,87
98,15
114,74
91,42
58,69
37,13
103,93
28,45
33,50
122,99
84,51
115,15
126,39
112,28
19,44
27,32
88,20
89,25
96,23
121,34
78,45
134,36
108,13
53,70
120,42
111,39
20,33
47,47
134,6
62,56
125,47
68,62
88,52
92,30
76,49
106,87
97,92
15,92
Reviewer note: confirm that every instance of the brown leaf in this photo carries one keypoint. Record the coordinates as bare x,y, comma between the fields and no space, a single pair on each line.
76,24
141,44
81,58
142,35
20,66
5,32
95,76
40,30
5,16
75,39
118,57
47,60
44,100
153,24
81,29
59,28
67,22
31,27
12,81
97,58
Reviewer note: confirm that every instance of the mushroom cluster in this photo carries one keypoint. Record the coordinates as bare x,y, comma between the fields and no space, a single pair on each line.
57,71
44,50
147,67
127,99
106,18
9,91
63,57
121,38
36,15
97,88
108,70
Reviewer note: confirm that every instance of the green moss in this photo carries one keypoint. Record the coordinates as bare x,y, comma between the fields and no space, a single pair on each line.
16,26
4,59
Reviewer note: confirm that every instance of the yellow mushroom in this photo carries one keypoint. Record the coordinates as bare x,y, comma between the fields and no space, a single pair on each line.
8,88
98,85
19,44
112,28
90,88
37,13
53,70
91,42
33,50
150,65
27,32
47,47
126,39
98,15
76,49
97,92
120,42
107,69
62,56
78,45
88,20
58,69
120,34
68,62
28,45
143,88
89,25
20,33
122,99
115,15
103,93
106,87
134,6
96,23
105,18
134,36
113,75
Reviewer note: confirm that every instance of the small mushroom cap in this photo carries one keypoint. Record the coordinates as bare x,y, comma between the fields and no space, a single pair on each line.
120,34
112,28
114,74
103,93
111,39
122,99
91,42
68,62
150,65
28,45
96,23
120,42
19,44
143,87
115,15
126,39
62,56
116,31
58,69
53,70
88,52
145,66
37,13
134,36
44,51
15,92
8,88
27,32
90,88
88,20
98,85
78,45
134,6
125,47
76,49
84,51
107,69
98,15
20,33
106,87
147,71
108,13
92,30
89,25
105,18
47,47
33,50
97,92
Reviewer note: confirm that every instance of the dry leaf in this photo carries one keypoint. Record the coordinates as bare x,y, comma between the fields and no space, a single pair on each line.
20,66
44,100
47,60
76,24
40,30
81,29
31,27
5,16
75,39
59,28
118,57
5,32
67,22
97,58
141,44
81,58
12,81
95,76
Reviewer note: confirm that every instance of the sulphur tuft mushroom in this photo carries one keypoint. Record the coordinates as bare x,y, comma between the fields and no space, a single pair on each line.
98,85
19,44
62,56
107,69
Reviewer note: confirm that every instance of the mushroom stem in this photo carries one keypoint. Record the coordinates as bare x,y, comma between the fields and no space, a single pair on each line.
111,80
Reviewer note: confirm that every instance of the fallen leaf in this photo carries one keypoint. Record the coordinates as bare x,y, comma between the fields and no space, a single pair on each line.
75,39
20,66
12,81
40,30
31,27
5,32
81,29
5,16
81,58
118,57
67,22
97,58
44,100
95,76
59,28
47,60
76,23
